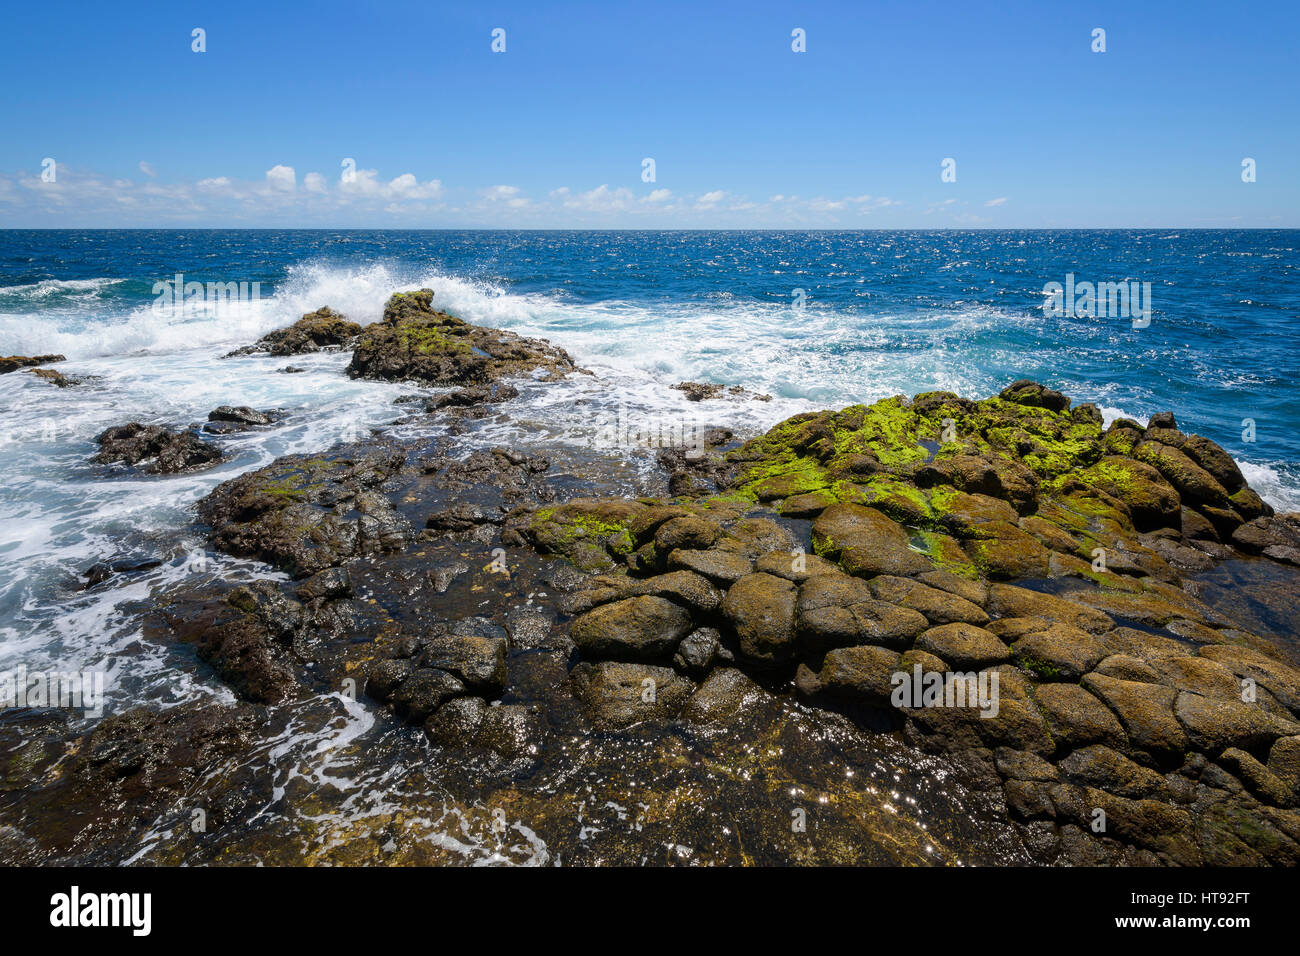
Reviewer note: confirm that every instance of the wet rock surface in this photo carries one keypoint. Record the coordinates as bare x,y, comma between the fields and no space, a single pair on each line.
416,343
322,330
999,594
702,391
12,363
55,378
304,513
154,449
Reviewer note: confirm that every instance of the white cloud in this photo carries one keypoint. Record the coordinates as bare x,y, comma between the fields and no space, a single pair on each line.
406,186
996,202
147,169
282,178
821,204
364,183
602,199
277,198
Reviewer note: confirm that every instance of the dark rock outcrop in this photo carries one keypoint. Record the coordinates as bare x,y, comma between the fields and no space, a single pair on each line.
155,450
322,330
12,363
416,343
307,513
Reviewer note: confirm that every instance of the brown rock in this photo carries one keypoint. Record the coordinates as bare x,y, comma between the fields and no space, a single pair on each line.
1145,710
639,628
865,541
939,607
617,694
964,646
1006,600
835,610
1076,718
761,609
1061,652
1213,725
719,566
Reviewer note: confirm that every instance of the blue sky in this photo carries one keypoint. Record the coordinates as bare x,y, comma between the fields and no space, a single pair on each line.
744,131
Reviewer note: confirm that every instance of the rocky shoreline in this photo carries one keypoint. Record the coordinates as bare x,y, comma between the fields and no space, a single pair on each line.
533,617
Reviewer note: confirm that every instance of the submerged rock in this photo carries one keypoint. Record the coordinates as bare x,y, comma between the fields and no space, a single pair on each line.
57,379
619,694
700,391
226,419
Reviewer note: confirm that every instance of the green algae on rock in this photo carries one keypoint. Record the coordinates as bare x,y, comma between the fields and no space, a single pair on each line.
416,343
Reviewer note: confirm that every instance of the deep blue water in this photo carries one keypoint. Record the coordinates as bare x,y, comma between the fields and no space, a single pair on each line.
886,311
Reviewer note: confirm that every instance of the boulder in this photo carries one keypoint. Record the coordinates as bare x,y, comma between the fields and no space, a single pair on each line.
478,661
726,692
761,609
719,566
938,606
1026,392
617,694
1061,652
304,514
1193,483
689,532
423,692
862,675
685,587
698,651
964,646
1101,767
865,542
1007,600
416,343
1076,718
1145,710
638,628
155,450
316,331
12,363
835,610
1215,724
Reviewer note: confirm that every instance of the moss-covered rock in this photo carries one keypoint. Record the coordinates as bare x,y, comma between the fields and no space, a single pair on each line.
416,343
638,628
836,610
760,607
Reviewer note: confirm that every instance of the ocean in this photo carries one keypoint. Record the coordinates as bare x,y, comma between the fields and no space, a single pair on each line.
813,319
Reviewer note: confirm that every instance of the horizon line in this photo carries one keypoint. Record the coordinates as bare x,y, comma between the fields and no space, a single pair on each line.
773,229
